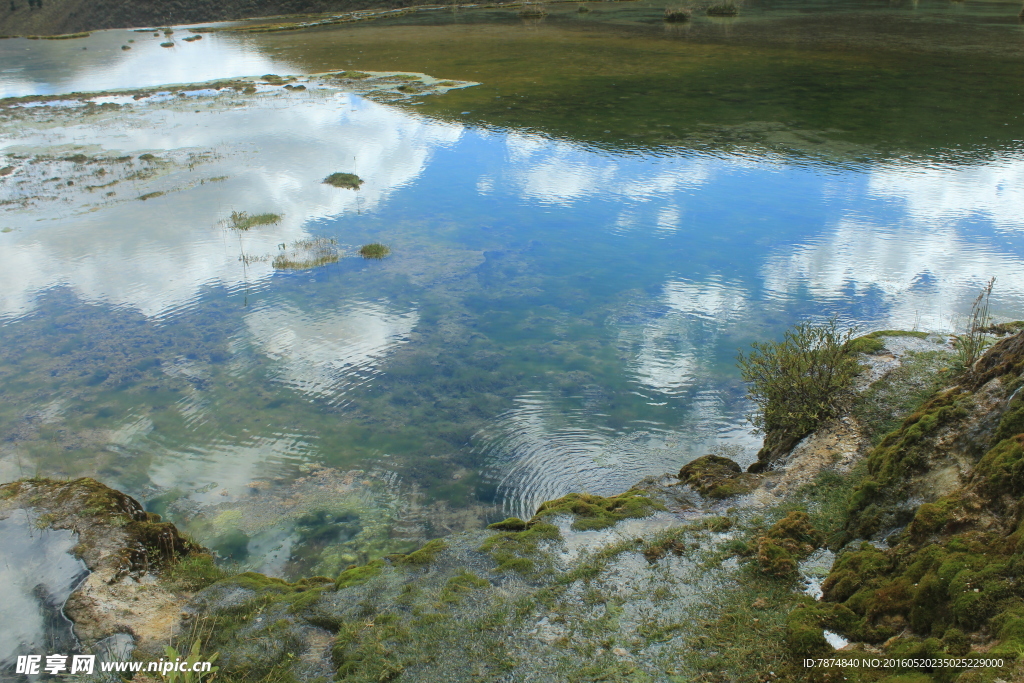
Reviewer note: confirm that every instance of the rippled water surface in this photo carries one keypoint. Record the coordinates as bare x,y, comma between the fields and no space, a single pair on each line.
580,244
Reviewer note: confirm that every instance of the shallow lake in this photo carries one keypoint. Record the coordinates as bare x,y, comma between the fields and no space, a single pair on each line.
588,216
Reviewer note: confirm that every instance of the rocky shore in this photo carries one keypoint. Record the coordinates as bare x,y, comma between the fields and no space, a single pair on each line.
893,531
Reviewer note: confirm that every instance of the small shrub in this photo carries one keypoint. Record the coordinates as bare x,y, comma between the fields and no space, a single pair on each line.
797,383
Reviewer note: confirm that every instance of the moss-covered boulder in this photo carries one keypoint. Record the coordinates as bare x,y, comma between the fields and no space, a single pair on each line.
141,567
717,477
599,512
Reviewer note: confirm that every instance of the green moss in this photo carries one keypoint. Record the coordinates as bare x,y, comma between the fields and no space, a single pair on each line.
425,555
511,549
1012,421
1001,470
789,540
509,524
459,585
349,181
357,576
598,512
716,477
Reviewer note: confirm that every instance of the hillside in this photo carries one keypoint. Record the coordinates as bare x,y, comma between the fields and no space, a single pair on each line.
56,17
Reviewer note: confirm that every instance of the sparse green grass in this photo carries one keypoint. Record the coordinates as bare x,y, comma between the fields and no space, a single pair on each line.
240,220
309,253
348,181
195,572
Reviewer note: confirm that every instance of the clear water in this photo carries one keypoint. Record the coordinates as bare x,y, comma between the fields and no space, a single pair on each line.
580,243
37,574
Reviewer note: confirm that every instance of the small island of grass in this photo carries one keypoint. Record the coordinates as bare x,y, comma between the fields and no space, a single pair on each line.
375,250
675,15
240,220
349,181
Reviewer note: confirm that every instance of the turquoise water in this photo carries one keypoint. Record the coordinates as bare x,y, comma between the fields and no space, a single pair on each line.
580,245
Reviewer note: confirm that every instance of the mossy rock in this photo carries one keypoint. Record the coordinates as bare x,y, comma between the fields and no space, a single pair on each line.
357,576
104,516
874,342
788,541
425,555
599,512
509,524
717,477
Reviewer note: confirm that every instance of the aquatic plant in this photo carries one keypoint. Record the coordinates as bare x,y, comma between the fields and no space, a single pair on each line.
151,195
308,253
583,9
374,250
349,181
674,15
166,44
796,383
723,9
240,220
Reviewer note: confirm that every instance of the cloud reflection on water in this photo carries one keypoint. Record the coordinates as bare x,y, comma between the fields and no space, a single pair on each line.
157,255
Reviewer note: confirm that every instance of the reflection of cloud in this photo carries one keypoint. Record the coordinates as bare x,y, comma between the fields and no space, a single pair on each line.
670,350
156,255
560,173
923,275
937,194
61,66
327,353
226,464
38,567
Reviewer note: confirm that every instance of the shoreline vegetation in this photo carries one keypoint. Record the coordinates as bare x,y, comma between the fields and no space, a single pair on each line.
55,25
893,530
